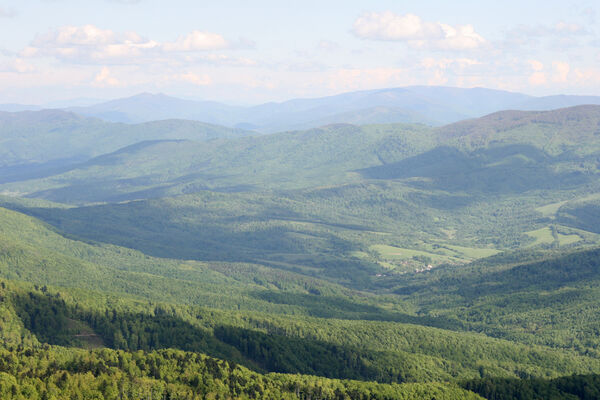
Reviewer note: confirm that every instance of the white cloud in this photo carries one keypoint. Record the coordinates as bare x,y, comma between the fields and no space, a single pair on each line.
89,44
16,65
587,76
223,59
196,79
536,65
75,36
538,77
444,63
104,78
198,41
413,30
561,71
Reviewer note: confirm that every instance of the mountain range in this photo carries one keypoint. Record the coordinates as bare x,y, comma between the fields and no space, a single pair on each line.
441,257
431,105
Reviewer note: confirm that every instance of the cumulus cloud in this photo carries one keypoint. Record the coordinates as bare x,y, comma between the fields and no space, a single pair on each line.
561,71
104,79
444,63
16,65
223,59
587,76
416,32
90,44
536,65
198,41
196,79
74,35
538,77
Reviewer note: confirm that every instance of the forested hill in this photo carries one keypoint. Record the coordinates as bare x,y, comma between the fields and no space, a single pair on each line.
566,126
545,147
46,142
344,262
366,339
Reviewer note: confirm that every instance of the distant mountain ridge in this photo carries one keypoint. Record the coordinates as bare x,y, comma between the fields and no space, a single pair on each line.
430,105
418,104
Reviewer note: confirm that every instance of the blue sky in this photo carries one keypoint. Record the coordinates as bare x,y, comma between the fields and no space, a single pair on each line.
251,52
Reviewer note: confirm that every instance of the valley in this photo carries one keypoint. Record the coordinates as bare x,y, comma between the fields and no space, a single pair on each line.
387,260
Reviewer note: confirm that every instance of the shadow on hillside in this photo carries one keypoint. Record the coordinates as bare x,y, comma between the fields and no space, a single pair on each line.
572,270
49,317
512,168
340,308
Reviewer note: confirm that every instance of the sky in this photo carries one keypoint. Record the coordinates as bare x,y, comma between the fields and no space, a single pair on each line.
250,52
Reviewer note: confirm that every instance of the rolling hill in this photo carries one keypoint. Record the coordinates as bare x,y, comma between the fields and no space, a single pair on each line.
430,105
35,143
282,326
189,258
503,152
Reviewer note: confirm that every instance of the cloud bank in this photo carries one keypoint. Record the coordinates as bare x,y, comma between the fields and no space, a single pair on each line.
89,44
416,32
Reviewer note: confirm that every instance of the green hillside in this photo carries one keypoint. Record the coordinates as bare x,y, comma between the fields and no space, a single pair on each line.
43,143
504,152
344,262
304,325
286,160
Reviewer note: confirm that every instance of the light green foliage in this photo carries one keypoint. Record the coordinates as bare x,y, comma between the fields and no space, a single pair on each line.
306,253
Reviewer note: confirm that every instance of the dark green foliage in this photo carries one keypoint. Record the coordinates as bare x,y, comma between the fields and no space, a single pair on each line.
501,169
576,387
582,215
284,258
553,301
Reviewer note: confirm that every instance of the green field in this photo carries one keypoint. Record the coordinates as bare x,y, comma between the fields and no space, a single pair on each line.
550,235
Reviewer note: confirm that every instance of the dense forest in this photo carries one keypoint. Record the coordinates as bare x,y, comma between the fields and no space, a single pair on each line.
393,261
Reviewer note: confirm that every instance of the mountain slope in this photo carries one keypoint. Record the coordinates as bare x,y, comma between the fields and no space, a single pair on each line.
147,107
324,156
436,105
557,101
432,105
34,141
485,154
378,347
